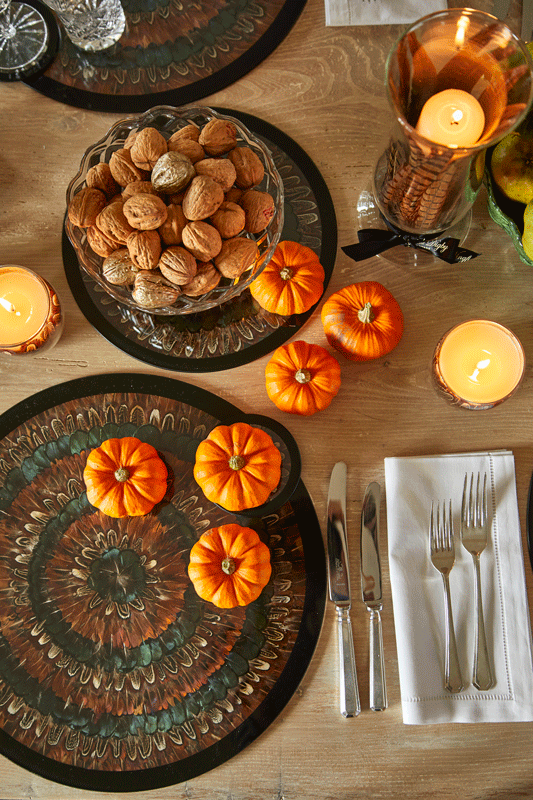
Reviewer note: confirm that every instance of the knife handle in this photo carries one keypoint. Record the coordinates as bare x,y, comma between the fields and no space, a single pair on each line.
349,691
377,683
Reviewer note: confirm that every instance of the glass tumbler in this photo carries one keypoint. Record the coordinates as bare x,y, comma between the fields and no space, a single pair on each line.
91,24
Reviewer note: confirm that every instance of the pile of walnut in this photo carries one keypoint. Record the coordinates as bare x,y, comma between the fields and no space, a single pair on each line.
167,216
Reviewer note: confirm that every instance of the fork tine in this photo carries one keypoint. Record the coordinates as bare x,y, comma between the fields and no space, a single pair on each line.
448,528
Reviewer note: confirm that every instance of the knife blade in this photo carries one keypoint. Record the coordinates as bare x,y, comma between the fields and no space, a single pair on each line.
339,590
372,593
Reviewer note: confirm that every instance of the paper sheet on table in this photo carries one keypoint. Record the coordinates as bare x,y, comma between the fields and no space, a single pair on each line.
418,598
379,12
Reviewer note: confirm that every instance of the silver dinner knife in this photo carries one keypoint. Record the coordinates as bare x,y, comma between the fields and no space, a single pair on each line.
339,590
372,594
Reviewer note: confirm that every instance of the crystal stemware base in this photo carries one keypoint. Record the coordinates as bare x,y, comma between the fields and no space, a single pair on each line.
28,38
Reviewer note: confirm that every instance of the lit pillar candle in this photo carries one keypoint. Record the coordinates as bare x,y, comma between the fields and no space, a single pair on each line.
479,363
30,314
453,118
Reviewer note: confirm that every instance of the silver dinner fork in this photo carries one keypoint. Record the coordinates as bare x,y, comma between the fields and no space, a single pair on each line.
442,549
474,533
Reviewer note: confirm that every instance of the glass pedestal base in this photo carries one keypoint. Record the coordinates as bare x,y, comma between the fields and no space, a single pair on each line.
369,216
29,39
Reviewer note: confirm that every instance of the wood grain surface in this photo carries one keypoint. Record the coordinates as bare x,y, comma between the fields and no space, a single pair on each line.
324,87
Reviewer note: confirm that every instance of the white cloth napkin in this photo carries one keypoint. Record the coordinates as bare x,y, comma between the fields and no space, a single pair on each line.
379,12
418,598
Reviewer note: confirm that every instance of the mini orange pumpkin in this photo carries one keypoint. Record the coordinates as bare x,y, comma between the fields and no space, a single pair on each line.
302,378
125,477
237,466
229,566
291,282
362,321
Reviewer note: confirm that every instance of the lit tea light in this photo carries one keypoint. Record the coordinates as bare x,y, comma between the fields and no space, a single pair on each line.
478,364
30,313
453,118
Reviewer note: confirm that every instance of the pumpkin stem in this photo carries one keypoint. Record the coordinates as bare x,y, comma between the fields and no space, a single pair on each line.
285,273
236,462
366,314
122,474
302,375
228,565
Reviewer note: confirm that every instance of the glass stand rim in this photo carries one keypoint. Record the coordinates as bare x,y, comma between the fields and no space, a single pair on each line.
369,216
39,42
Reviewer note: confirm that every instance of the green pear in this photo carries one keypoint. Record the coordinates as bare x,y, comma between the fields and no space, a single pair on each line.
511,166
527,235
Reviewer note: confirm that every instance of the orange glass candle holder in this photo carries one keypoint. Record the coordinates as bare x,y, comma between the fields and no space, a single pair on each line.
478,364
422,186
31,319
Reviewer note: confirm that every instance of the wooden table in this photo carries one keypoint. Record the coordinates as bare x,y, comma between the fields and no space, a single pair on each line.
324,88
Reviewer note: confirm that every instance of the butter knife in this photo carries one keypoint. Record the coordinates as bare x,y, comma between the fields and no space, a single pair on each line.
339,589
372,593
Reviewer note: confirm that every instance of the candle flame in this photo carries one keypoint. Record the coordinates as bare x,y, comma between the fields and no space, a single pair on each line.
462,25
457,116
479,366
9,306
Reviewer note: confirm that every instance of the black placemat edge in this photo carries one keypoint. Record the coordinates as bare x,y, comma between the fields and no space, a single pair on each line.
93,101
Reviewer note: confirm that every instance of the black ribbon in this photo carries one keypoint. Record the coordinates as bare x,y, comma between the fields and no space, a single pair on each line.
373,241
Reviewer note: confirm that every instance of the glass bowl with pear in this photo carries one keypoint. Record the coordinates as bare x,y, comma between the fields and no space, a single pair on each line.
509,182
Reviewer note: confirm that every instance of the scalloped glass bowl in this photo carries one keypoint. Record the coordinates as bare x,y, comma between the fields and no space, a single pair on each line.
168,120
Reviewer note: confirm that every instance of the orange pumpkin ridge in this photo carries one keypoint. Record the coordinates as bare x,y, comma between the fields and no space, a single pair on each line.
141,482
292,281
363,321
302,378
250,566
259,469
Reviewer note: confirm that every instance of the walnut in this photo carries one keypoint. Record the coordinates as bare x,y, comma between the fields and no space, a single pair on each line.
206,278
175,199
202,198
123,169
249,168
99,242
172,173
99,177
151,290
171,229
112,222
85,207
187,147
202,240
236,256
234,194
228,219
138,187
144,248
132,135
177,265
258,209
187,132
119,269
148,147
220,169
146,212
219,136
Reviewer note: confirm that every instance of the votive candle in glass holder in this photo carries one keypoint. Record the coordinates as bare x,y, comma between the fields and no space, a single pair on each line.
478,364
31,319
458,80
